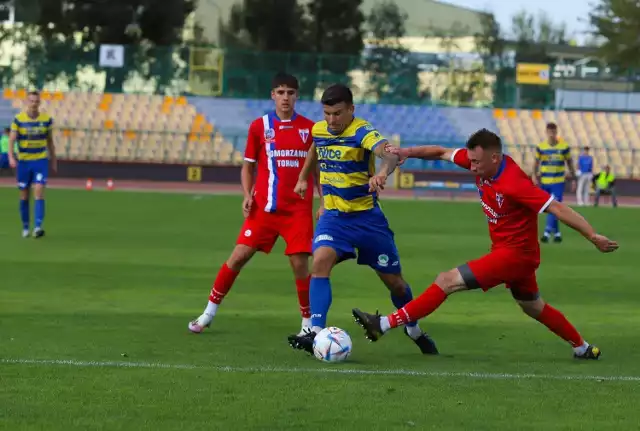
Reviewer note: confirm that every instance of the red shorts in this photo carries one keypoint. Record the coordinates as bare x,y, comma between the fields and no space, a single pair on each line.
261,231
517,270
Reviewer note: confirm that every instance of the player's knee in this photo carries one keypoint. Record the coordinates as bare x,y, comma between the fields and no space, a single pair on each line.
299,265
240,256
323,261
532,308
449,281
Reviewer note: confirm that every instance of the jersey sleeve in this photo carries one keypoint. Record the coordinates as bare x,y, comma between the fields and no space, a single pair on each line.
566,153
14,124
369,137
254,143
523,191
460,157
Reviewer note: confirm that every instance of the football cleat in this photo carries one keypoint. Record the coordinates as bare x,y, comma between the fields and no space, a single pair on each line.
425,343
592,352
303,342
544,238
38,232
370,323
26,233
198,325
557,238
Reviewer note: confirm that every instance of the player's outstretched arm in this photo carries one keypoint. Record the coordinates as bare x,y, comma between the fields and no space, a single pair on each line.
575,221
426,152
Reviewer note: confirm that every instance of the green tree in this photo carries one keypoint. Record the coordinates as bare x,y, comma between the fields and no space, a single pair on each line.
616,23
334,34
253,28
297,34
393,75
65,36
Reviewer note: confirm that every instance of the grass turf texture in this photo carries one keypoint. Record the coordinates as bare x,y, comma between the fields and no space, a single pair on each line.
119,276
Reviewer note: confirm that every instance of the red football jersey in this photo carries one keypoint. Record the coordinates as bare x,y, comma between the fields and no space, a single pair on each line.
279,147
511,203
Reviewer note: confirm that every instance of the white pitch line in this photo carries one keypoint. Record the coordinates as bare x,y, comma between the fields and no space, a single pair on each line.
347,371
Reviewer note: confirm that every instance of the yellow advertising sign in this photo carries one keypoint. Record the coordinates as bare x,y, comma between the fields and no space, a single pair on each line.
532,74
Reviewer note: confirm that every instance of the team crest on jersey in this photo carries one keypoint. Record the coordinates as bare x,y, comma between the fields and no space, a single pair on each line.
499,199
269,135
304,134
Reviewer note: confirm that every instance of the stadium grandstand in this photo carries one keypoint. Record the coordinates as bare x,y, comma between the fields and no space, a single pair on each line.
201,130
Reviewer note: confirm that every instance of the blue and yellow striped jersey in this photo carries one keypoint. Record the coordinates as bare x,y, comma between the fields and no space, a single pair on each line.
32,135
553,160
346,163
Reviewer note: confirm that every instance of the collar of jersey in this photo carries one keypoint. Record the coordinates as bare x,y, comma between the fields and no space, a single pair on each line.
274,115
500,169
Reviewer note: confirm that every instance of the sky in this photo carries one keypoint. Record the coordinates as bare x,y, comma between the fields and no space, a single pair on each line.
569,11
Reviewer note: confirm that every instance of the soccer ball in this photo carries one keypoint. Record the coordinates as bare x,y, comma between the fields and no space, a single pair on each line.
332,345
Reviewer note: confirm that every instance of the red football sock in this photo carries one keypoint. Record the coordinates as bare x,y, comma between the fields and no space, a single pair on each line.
420,307
302,286
222,285
559,325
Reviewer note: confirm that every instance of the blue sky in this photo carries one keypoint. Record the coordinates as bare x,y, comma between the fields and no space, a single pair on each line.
569,11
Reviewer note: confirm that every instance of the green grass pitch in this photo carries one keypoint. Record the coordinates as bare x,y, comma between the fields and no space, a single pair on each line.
119,275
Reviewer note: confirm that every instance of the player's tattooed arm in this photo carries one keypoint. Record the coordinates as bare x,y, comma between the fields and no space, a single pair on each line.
389,159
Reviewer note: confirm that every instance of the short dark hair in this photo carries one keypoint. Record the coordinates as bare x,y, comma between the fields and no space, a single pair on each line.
283,79
33,93
337,93
552,126
485,139
7,129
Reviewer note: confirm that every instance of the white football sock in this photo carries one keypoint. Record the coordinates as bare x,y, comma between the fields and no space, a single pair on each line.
306,322
211,309
316,329
384,324
414,331
580,350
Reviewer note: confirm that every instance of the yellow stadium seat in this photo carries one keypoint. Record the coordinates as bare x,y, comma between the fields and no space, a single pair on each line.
498,113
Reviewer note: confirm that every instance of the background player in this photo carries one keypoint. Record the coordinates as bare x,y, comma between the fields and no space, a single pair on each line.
343,147
551,157
585,175
31,130
277,146
511,203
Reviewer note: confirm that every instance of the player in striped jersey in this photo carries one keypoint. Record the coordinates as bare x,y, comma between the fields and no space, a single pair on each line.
31,130
551,157
345,148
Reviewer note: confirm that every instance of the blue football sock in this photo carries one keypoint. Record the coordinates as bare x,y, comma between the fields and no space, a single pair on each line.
400,302
552,222
320,300
24,213
556,225
39,212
